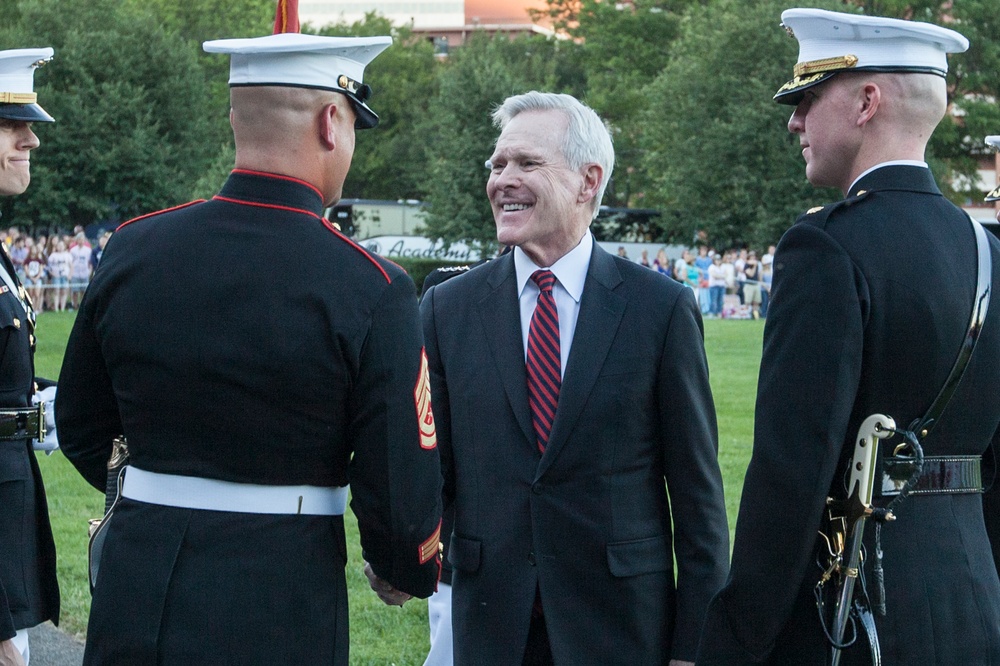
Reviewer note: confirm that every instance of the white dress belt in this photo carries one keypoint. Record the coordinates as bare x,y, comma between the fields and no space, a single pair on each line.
192,492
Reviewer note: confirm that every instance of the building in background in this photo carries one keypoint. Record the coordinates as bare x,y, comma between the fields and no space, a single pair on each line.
446,23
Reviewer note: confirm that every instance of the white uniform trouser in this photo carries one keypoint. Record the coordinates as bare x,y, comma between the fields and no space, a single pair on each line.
439,616
21,644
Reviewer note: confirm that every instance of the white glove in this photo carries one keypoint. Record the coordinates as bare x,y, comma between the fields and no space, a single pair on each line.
51,441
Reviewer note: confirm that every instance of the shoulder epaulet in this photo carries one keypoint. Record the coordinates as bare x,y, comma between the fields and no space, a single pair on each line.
454,269
159,212
819,214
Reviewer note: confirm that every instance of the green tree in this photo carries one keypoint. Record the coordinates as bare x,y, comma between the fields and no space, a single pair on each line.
130,103
476,79
718,154
390,160
623,48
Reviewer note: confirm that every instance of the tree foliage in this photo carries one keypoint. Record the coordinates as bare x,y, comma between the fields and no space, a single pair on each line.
130,104
387,160
718,154
474,81
685,86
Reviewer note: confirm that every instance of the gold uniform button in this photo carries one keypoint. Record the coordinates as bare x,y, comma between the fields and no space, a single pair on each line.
17,323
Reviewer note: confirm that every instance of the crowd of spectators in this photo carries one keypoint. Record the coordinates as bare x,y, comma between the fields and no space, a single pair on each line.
54,268
732,284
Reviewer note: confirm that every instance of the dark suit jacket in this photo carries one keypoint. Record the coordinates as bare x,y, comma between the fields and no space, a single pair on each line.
872,297
589,523
244,339
29,591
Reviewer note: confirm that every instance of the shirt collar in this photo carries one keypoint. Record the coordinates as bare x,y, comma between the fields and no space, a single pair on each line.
916,163
570,270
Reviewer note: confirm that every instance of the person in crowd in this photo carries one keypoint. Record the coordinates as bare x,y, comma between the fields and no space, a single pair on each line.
80,270
751,284
29,590
34,274
703,261
716,285
740,265
766,277
557,454
18,255
729,270
98,252
59,268
248,405
871,304
644,259
662,264
681,267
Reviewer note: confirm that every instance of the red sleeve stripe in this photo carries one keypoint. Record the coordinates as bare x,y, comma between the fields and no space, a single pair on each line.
159,212
218,197
280,177
357,247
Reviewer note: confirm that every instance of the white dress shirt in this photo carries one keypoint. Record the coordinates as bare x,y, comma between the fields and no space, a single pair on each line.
571,274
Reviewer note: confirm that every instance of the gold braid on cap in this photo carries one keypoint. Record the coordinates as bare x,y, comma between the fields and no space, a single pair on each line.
825,65
18,98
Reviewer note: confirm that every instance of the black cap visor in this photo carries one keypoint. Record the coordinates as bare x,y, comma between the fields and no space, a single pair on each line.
793,91
31,113
993,196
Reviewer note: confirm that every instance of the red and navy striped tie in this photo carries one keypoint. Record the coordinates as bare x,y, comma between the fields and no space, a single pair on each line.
544,375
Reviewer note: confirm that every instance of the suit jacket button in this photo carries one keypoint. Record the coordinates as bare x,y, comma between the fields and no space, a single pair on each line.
536,488
531,558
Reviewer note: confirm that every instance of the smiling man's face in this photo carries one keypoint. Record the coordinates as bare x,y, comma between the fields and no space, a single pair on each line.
16,142
536,197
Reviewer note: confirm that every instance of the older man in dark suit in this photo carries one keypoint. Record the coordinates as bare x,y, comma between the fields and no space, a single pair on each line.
571,392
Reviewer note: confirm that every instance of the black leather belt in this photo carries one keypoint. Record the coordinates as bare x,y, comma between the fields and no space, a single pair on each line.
942,475
22,423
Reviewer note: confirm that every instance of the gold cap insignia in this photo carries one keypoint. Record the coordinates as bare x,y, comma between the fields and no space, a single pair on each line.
814,210
825,65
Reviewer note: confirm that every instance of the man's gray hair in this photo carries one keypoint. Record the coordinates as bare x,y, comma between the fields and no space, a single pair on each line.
587,138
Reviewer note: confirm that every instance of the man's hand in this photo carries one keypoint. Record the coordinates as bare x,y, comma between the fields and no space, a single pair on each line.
389,595
10,655
678,662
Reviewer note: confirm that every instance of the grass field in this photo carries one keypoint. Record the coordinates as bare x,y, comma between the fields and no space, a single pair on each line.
379,634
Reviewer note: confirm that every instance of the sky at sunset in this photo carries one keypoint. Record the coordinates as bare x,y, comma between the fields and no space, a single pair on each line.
504,11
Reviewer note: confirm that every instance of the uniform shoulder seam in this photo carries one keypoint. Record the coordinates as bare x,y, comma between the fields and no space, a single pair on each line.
159,212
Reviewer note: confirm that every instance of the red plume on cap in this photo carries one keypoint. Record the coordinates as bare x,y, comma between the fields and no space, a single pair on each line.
286,19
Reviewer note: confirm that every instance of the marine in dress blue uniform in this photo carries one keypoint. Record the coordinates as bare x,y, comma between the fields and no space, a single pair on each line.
29,590
246,344
872,298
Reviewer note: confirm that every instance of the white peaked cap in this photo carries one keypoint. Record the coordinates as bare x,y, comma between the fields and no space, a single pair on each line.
305,61
832,42
17,84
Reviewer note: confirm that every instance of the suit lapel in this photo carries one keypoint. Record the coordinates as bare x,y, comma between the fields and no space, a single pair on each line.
601,312
501,317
